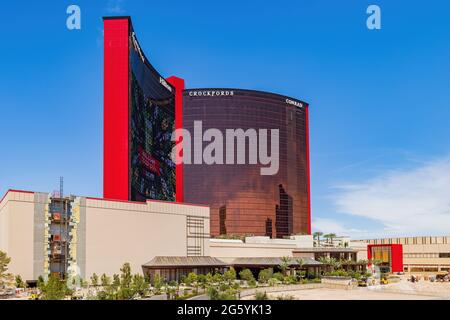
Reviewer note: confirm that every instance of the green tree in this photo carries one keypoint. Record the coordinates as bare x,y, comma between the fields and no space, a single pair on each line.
284,264
191,279
5,277
125,291
230,275
140,286
278,276
20,283
217,278
105,280
300,265
201,280
265,275
261,296
54,289
330,237
246,275
40,281
213,293
317,236
94,280
157,283
209,278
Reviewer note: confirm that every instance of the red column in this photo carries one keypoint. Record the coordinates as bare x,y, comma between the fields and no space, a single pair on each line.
308,166
179,85
116,113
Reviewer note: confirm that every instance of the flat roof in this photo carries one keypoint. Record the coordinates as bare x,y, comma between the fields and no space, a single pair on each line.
109,200
171,262
321,249
270,261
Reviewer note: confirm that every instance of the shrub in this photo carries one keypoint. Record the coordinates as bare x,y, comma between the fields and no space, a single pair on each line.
213,293
291,279
20,283
261,296
246,275
217,278
54,289
190,279
278,276
265,275
230,275
272,282
228,295
252,283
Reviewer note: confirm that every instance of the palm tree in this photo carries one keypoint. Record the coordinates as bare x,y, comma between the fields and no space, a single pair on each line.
284,265
317,236
300,263
334,263
332,236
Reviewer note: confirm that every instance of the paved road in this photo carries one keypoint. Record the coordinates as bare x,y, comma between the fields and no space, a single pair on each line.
200,297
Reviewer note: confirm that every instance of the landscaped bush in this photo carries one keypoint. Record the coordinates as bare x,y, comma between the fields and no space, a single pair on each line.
217,278
230,275
265,275
337,273
246,275
215,294
278,276
290,279
252,283
261,296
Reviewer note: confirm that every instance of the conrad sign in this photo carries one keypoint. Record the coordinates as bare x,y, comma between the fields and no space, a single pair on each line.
294,103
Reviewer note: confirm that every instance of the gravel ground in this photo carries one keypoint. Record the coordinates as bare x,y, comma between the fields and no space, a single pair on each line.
404,290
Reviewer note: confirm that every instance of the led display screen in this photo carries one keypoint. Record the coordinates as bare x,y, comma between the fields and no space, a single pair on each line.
152,120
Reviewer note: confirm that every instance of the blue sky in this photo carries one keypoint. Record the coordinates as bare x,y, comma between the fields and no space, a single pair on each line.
379,99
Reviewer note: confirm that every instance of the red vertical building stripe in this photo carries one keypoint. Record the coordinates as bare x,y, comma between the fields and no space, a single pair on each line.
308,166
179,85
116,113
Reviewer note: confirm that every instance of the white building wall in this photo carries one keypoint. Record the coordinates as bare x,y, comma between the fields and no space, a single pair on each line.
119,232
16,232
227,250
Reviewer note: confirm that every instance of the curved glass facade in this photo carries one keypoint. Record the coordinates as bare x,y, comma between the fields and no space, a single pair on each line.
244,202
152,122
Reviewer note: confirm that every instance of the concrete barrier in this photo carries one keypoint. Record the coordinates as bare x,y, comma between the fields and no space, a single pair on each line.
339,283
295,287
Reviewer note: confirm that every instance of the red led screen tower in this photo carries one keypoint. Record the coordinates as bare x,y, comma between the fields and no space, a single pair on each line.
141,111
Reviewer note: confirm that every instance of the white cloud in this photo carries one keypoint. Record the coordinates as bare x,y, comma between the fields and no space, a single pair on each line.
407,202
115,7
331,226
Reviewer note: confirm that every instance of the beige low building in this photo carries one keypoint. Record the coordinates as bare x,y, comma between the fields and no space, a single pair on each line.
79,235
255,247
422,254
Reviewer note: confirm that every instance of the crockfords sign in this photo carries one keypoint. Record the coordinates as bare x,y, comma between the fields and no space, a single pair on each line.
211,93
